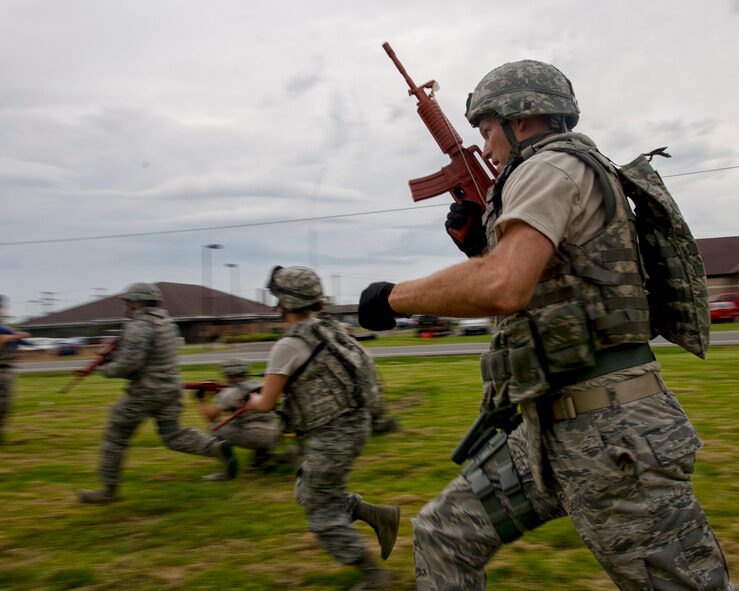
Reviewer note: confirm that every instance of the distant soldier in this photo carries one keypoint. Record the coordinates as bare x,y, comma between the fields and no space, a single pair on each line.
258,431
327,381
9,341
147,356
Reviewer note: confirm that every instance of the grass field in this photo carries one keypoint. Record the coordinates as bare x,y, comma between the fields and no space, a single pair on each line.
171,531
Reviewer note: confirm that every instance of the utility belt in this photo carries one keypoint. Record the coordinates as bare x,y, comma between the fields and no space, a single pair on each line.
568,407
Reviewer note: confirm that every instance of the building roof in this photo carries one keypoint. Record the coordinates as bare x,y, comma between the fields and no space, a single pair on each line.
720,255
183,302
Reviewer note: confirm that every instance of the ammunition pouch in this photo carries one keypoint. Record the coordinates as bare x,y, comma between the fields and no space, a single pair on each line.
502,493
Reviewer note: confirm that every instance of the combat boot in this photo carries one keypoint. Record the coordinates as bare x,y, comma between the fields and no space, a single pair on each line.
375,577
384,424
223,451
384,519
100,496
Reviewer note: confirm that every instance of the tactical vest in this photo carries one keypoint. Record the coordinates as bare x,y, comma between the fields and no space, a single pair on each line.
160,371
589,314
164,346
337,377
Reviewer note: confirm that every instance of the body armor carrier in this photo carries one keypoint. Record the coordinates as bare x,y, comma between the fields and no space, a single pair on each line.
337,377
159,371
589,314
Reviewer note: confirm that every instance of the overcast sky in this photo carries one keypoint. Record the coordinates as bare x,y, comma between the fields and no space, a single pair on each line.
174,119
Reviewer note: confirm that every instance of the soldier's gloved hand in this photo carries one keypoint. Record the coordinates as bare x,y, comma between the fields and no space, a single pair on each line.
375,312
464,225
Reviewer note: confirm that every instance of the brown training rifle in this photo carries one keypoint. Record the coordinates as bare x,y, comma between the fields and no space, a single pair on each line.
101,357
468,176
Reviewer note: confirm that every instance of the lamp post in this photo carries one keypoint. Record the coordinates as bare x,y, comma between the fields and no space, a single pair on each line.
235,288
208,272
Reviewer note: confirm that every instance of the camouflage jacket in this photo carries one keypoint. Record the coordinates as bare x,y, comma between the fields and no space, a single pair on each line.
147,353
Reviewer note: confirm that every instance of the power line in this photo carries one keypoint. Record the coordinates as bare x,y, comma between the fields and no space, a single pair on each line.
667,176
276,222
226,227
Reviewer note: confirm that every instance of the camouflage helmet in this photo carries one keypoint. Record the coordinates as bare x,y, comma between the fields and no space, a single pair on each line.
526,88
295,287
142,292
234,367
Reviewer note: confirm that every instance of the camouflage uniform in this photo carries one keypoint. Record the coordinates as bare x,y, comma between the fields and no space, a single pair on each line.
336,427
330,388
147,357
621,470
258,431
8,353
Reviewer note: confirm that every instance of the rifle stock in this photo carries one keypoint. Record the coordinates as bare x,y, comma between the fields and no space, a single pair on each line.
468,176
100,357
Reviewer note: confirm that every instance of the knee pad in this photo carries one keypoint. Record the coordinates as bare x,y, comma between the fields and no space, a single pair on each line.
517,515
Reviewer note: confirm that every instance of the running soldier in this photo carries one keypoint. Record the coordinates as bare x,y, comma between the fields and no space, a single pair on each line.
147,357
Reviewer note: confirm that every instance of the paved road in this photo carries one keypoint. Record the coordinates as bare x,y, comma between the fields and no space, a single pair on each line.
258,352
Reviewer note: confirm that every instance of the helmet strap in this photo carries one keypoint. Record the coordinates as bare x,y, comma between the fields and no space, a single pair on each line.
516,145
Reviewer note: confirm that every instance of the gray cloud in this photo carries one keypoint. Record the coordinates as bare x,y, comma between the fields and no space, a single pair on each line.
122,118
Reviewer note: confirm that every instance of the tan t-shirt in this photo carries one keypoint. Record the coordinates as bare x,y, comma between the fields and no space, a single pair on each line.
555,193
287,355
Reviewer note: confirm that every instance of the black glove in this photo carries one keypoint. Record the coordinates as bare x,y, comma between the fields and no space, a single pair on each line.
465,219
199,395
375,312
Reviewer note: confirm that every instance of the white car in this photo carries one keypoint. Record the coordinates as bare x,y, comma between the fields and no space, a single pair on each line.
474,326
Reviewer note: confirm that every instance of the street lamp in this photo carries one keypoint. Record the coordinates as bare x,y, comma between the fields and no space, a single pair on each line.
235,288
208,271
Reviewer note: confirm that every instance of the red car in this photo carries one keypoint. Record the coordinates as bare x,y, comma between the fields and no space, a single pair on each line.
723,311
725,297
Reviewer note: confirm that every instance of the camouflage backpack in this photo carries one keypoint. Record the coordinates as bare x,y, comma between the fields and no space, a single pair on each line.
338,375
676,284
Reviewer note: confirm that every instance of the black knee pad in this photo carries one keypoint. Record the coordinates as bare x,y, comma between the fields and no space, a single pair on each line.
509,523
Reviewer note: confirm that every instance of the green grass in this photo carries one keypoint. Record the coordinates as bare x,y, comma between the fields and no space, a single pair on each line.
171,531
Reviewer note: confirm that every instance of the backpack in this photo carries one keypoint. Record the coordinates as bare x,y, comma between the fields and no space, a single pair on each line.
676,283
675,278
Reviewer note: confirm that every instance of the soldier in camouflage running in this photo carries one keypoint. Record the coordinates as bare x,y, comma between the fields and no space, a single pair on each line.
602,439
147,356
328,382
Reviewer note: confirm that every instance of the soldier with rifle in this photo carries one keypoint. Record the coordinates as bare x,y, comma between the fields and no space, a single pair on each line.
603,440
146,356
261,432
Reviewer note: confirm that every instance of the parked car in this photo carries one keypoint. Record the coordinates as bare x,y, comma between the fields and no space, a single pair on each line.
433,326
469,326
725,297
723,311
403,322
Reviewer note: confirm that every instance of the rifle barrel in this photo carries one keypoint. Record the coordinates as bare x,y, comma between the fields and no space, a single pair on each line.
389,50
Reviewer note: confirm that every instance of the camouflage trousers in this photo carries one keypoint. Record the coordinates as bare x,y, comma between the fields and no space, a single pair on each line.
321,484
621,474
261,431
6,399
133,409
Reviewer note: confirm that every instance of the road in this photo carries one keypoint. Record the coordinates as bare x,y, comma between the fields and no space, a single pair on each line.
258,352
